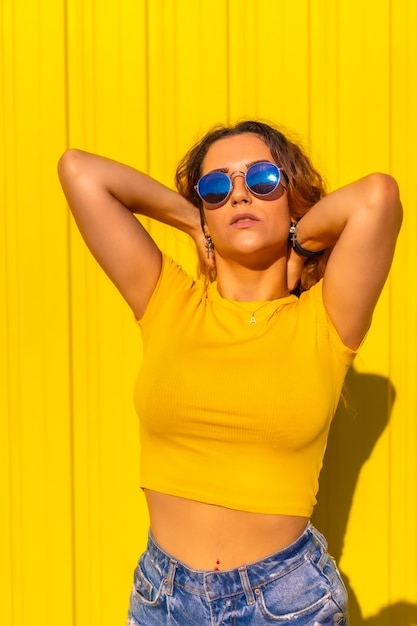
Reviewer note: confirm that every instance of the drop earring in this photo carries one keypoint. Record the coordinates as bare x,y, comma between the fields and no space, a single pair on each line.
209,245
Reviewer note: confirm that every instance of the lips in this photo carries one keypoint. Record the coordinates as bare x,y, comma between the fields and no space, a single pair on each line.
244,218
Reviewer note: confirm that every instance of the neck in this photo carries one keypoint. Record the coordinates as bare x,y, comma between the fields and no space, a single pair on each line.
244,284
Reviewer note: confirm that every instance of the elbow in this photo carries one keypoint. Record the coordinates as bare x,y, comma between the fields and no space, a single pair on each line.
383,196
382,188
69,164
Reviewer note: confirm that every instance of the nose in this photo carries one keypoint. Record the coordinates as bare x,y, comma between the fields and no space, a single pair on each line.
240,192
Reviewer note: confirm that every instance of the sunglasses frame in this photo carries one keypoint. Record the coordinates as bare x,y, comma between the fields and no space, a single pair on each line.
261,195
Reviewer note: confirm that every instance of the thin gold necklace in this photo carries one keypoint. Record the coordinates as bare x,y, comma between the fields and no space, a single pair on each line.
252,313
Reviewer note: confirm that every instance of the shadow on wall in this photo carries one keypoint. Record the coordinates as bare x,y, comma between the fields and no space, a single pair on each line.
356,427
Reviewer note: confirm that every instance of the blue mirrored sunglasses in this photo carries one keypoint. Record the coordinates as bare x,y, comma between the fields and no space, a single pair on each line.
260,178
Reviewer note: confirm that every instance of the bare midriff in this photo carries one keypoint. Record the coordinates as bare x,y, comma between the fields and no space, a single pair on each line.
210,537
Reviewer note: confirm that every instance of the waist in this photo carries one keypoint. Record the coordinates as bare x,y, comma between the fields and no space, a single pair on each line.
212,583
211,537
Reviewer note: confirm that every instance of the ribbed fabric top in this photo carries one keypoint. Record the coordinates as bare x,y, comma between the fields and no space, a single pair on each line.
233,413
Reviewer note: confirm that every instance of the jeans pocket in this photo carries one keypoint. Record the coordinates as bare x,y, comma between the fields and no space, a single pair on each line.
300,595
148,582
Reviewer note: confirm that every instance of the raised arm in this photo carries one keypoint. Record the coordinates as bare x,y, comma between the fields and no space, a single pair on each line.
362,221
103,195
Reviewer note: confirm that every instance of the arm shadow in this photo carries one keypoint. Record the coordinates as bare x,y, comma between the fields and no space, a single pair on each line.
361,418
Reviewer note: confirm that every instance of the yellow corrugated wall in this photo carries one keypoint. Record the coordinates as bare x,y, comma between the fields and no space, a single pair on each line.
138,81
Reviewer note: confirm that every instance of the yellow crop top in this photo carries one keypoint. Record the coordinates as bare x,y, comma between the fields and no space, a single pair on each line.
233,413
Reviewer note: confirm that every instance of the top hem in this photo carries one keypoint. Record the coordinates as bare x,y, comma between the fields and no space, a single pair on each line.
234,505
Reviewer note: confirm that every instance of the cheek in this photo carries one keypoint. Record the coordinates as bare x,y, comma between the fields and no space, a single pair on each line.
286,216
212,221
279,212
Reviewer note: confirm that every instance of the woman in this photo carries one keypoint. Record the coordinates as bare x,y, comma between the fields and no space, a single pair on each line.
241,373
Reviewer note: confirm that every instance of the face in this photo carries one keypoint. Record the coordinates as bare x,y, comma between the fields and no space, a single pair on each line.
246,227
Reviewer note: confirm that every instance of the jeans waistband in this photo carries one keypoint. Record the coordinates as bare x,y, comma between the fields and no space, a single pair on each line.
213,584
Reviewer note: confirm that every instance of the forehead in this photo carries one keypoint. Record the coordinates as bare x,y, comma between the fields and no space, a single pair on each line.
235,152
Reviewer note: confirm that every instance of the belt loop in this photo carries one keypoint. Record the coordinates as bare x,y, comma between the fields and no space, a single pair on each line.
322,543
244,579
319,537
169,580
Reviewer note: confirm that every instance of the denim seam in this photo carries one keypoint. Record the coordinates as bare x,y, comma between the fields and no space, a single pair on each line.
329,583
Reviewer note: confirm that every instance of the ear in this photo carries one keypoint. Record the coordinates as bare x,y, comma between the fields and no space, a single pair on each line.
291,226
293,217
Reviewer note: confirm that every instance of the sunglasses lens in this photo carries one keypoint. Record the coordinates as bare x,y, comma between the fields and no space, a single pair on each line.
214,187
263,178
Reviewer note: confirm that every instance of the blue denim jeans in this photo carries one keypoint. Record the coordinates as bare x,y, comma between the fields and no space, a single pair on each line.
297,585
